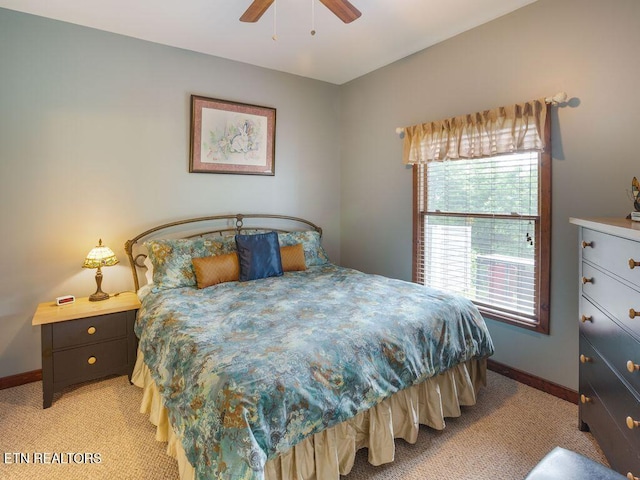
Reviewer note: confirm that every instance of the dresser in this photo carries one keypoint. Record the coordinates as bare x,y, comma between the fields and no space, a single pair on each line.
609,325
86,340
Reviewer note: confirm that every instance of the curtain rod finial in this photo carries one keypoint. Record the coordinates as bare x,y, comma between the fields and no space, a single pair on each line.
559,97
400,132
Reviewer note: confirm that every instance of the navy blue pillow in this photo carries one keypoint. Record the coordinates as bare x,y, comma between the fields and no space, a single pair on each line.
259,256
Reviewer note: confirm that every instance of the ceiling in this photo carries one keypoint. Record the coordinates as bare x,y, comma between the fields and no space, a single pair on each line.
388,30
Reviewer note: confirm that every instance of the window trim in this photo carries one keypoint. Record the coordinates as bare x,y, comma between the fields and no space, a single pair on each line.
543,244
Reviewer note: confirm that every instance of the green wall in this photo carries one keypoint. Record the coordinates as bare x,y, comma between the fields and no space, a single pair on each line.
94,143
587,48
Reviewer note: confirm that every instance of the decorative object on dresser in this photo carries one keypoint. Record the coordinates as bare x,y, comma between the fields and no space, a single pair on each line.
609,320
635,192
99,256
85,341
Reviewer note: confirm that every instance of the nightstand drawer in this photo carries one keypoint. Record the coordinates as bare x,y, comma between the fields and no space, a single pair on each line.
90,330
612,253
90,362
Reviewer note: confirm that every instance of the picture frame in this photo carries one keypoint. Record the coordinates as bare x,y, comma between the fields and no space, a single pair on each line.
231,137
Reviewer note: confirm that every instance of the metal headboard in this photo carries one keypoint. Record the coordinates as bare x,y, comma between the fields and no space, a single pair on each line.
230,224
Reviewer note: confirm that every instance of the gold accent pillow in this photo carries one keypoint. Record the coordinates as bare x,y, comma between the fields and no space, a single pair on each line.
217,269
293,258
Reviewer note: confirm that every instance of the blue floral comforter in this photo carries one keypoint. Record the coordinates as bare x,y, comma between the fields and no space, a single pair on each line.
247,370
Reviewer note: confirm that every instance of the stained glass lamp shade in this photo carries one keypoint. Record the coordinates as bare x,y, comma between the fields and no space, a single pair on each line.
99,257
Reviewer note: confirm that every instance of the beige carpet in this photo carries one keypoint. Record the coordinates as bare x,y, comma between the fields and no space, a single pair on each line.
502,437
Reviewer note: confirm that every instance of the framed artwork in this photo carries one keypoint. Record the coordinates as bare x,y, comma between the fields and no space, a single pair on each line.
231,137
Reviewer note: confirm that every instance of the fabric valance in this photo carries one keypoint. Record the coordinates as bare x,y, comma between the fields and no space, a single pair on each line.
514,128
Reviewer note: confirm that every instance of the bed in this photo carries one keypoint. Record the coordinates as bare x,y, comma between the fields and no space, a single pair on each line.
288,373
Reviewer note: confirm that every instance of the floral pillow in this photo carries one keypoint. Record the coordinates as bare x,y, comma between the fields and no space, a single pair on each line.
171,258
314,254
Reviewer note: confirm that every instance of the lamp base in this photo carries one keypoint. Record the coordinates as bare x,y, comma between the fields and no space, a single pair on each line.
96,297
99,295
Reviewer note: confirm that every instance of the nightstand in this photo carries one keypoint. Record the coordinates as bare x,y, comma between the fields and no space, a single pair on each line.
86,340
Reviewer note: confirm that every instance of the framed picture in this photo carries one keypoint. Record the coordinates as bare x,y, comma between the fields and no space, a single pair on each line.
231,137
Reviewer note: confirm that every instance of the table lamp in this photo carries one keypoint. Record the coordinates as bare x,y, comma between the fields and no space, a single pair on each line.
99,257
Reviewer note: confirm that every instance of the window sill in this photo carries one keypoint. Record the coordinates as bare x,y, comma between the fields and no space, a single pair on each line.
521,321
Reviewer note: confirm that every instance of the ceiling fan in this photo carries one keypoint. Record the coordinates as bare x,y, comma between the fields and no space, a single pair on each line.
343,9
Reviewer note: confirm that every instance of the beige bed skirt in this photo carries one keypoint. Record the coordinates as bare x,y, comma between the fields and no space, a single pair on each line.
331,453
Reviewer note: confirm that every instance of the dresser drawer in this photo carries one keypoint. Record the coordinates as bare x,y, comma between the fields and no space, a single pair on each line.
618,451
612,342
612,394
90,362
612,253
612,296
90,330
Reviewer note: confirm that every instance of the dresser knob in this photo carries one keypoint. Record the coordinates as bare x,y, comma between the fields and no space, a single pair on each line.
586,318
630,476
587,244
633,264
585,399
587,280
633,313
631,423
91,360
585,359
91,330
632,367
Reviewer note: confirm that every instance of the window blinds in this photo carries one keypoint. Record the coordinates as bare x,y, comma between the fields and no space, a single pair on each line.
479,230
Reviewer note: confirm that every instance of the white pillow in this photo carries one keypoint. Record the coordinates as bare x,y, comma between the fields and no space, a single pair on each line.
144,290
149,273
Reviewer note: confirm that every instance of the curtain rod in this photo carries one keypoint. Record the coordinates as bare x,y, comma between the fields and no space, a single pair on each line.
559,97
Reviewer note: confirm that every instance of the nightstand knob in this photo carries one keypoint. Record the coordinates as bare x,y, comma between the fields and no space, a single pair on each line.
587,244
91,330
586,318
633,263
631,423
585,399
584,359
632,367
91,360
587,280
633,313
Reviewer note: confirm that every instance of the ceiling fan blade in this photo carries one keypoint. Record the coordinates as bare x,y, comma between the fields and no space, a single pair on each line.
255,10
342,9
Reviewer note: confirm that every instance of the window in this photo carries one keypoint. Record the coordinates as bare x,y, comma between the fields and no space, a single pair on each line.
479,233
482,221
